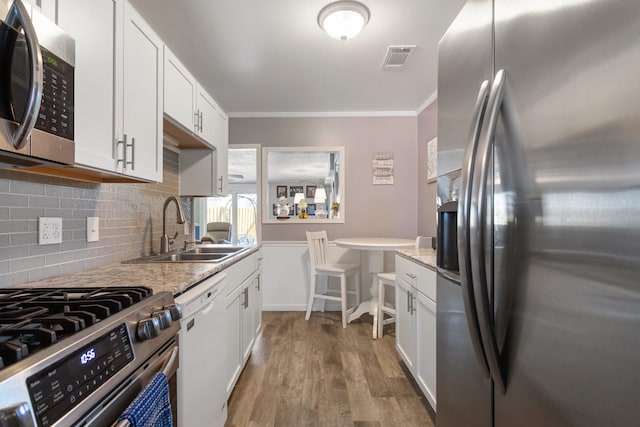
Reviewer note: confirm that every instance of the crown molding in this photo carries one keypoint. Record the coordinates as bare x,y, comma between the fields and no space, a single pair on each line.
427,102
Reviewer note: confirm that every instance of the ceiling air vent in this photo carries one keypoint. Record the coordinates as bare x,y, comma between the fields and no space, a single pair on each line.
396,57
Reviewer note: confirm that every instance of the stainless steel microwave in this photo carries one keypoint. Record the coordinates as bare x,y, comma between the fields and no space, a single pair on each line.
37,61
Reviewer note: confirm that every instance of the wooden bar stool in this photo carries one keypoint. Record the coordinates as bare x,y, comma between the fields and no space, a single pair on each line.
384,280
321,266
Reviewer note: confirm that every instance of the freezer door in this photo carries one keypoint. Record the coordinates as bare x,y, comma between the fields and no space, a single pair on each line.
464,69
568,322
463,393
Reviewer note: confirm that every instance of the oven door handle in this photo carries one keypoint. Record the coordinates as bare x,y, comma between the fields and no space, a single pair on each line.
169,366
18,17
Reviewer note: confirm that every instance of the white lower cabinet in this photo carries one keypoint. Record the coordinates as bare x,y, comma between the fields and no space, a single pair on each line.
425,368
405,323
243,305
232,343
248,331
416,323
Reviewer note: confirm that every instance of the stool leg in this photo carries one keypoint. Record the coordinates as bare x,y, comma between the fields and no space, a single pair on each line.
381,299
376,319
312,291
357,287
343,295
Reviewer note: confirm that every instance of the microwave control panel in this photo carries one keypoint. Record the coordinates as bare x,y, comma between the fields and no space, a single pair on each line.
56,109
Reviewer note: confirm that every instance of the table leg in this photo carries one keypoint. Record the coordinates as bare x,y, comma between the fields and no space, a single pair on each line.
376,265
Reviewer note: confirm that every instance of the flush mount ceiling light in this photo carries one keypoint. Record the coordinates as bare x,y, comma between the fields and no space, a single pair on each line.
343,19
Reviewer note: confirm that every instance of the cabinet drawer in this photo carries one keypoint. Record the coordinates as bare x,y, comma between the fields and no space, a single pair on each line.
407,270
418,276
427,283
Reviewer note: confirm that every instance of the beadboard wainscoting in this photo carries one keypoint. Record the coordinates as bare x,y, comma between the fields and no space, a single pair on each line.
285,274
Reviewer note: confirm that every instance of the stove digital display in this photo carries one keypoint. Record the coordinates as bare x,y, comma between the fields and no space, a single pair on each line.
59,388
87,356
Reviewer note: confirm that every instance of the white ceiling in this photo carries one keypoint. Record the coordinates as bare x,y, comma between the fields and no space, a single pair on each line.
270,58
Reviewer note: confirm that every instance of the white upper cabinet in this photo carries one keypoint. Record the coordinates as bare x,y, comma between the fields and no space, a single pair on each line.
197,173
179,91
222,154
207,113
187,104
46,7
92,25
118,89
141,107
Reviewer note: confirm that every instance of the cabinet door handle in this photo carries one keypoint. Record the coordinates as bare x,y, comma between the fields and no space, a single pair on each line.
195,120
124,151
133,153
200,122
220,179
411,275
409,301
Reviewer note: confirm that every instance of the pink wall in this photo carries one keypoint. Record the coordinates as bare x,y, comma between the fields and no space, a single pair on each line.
371,210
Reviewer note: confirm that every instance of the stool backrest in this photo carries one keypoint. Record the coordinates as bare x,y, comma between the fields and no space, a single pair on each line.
317,241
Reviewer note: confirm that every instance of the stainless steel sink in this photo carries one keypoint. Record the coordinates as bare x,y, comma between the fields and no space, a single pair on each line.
190,257
217,249
208,254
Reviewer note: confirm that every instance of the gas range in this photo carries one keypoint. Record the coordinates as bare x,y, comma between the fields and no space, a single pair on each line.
64,351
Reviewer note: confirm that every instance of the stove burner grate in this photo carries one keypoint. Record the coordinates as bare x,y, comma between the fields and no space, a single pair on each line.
34,318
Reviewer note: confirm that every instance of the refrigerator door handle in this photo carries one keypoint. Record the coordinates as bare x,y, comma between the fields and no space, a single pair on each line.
478,238
464,251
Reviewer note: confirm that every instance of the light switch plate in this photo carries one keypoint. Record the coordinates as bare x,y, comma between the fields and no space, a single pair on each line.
49,230
93,229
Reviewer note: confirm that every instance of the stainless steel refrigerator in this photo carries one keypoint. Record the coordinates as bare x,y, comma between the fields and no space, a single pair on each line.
539,108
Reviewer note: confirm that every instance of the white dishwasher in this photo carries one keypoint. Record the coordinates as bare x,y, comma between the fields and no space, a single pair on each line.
201,377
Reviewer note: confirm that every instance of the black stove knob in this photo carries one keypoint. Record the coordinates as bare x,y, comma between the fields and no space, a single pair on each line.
175,310
164,317
148,328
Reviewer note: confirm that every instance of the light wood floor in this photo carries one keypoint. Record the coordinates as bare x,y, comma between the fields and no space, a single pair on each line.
316,373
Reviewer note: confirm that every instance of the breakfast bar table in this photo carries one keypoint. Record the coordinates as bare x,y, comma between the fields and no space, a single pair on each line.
375,247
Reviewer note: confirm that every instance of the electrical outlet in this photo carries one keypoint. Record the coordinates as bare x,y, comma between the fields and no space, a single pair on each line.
93,229
49,230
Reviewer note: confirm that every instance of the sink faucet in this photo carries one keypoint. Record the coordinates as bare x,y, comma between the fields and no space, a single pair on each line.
166,241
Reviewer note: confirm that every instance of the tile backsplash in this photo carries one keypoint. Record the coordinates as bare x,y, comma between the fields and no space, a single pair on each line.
130,222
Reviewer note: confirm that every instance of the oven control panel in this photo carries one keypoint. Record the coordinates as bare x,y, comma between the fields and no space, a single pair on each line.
57,389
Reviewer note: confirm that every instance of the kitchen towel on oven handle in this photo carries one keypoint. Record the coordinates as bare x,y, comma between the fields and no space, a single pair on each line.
151,408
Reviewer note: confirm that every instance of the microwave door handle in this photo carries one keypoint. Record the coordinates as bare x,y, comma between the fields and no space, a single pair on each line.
18,17
478,230
464,250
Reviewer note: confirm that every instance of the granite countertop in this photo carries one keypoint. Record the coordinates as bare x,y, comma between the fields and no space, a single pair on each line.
423,256
173,277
